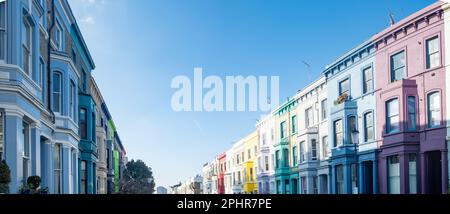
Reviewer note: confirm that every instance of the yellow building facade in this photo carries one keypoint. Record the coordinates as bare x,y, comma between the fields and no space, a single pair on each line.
249,164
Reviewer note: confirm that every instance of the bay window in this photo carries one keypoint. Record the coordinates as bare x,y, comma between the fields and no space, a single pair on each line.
434,109
392,116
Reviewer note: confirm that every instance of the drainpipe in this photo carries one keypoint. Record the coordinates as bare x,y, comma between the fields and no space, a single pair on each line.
49,82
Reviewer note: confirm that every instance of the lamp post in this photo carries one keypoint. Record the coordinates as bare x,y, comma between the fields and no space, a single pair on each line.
355,141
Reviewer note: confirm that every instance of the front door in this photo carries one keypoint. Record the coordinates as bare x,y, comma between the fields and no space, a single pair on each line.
434,182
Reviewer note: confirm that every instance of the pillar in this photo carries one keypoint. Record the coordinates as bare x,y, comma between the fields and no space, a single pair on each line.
361,178
66,169
46,165
375,176
13,151
423,172
404,174
347,178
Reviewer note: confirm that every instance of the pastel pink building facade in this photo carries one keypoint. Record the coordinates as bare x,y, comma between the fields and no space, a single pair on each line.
411,104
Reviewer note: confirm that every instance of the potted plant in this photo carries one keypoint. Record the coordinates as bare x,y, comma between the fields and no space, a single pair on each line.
33,186
342,98
34,183
5,177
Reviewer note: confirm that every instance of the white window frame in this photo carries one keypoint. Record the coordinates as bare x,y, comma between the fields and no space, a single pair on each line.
58,36
368,126
72,100
389,116
324,106
27,46
57,168
338,142
367,83
314,150
26,151
57,93
3,30
393,70
429,54
434,110
309,118
347,91
2,134
325,145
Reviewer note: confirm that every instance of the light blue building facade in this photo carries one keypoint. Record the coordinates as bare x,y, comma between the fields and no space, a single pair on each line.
350,82
45,66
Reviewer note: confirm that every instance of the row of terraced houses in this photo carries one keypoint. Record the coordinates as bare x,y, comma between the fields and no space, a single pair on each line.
54,122
374,122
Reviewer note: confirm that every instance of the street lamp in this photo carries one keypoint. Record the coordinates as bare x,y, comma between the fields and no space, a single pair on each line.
355,141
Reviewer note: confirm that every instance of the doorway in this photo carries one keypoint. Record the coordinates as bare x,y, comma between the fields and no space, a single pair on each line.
434,172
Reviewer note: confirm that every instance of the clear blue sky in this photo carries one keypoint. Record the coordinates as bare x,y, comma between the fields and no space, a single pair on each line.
140,45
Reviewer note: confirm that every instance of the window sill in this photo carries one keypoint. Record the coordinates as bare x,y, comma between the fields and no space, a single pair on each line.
434,68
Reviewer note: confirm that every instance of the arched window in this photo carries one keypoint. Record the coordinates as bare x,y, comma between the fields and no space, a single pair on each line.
434,109
57,92
368,126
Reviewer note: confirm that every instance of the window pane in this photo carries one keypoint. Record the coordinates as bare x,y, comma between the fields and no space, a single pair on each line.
1,135
351,127
338,133
368,85
392,113
368,130
398,66
394,175
324,109
412,174
434,110
344,87
313,150
325,147
433,56
2,30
